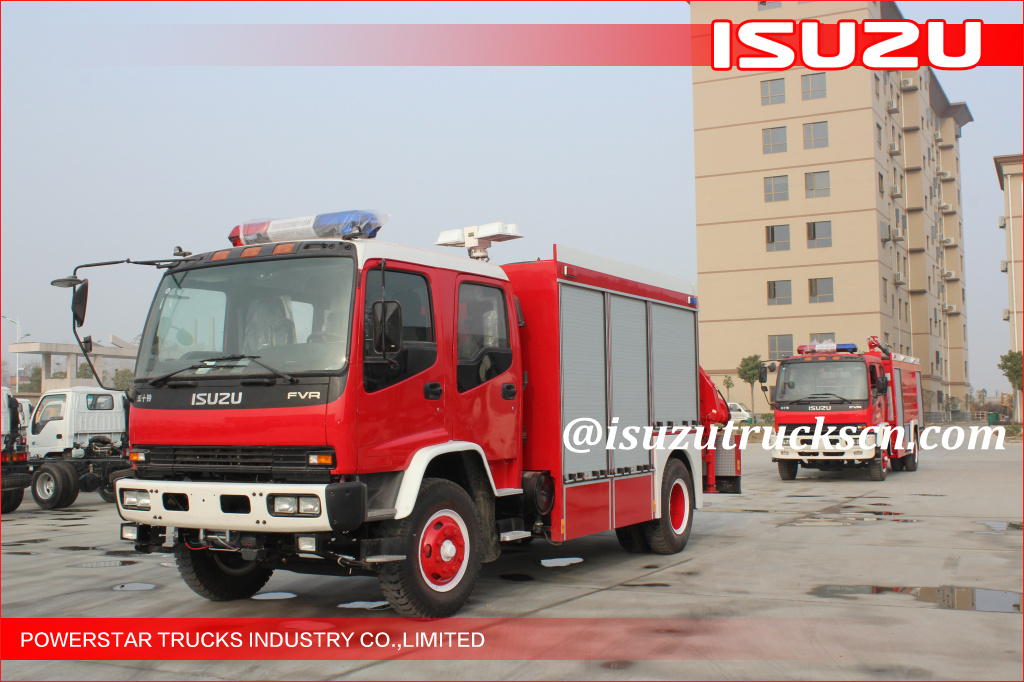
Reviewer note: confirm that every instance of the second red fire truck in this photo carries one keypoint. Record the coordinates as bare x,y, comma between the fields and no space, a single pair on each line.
870,393
314,400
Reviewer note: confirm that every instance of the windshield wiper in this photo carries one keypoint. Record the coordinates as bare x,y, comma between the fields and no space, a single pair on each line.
160,380
821,395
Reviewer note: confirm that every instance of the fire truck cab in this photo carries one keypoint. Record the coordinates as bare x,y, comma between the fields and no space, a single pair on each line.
317,401
868,405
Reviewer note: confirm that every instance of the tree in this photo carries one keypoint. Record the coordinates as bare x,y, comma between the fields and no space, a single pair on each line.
749,371
83,371
1012,365
728,383
60,375
979,399
123,379
6,374
35,382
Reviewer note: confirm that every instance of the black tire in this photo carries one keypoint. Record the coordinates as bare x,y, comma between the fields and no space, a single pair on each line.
876,467
107,493
49,485
12,500
898,463
633,539
910,462
788,469
220,576
71,492
444,520
668,534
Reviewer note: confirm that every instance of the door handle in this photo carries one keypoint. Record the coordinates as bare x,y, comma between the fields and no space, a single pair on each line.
508,391
432,390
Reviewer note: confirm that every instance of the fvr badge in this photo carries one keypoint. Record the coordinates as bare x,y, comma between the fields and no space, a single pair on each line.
874,44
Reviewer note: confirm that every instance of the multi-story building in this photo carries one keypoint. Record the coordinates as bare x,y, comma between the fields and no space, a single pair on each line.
828,208
1010,170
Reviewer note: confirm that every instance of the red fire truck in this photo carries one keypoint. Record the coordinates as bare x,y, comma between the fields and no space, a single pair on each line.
851,393
315,400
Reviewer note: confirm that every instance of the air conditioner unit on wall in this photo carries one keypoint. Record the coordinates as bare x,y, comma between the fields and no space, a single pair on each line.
945,175
1004,266
937,136
891,106
907,83
894,149
898,279
1002,222
886,232
895,192
1006,315
898,234
951,309
948,241
946,208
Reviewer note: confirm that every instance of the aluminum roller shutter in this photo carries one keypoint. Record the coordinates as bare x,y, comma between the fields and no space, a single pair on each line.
674,364
583,374
628,322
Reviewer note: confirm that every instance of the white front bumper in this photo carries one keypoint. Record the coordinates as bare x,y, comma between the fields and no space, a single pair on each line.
827,449
204,506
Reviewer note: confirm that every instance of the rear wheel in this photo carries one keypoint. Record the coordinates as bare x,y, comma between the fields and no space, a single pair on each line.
668,534
441,539
107,492
788,469
12,500
910,461
220,576
633,539
898,463
879,466
49,485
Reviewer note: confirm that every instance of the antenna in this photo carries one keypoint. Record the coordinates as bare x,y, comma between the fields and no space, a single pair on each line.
478,238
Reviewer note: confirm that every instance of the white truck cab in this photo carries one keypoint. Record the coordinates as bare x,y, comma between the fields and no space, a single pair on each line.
66,419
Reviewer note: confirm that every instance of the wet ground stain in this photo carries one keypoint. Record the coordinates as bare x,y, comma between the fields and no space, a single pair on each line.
644,585
105,564
133,587
944,596
19,543
123,552
78,548
270,596
21,553
516,577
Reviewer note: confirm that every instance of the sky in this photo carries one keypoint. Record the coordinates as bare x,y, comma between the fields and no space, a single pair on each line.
107,162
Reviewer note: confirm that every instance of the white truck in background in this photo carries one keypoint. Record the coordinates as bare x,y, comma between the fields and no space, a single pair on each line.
75,442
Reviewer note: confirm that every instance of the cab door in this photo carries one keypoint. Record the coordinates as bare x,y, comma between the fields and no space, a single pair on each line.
49,425
401,406
487,401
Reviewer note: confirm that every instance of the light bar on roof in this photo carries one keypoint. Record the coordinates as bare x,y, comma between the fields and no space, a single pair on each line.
344,224
827,347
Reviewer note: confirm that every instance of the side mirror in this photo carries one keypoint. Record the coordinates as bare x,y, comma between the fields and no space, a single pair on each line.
87,344
79,302
883,384
391,327
762,374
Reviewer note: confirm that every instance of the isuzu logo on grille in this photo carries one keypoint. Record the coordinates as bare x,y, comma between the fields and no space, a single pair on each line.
817,408
225,398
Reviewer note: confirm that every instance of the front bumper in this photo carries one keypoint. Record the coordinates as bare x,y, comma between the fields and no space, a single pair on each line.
216,505
826,449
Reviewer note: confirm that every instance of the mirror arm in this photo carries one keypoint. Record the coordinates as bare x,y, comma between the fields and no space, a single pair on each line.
89,360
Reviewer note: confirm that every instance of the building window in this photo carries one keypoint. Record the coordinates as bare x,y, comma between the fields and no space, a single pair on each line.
776,237
820,290
816,184
762,6
819,234
878,86
773,140
773,91
813,85
780,347
881,184
780,292
816,135
823,337
776,188
878,135
885,290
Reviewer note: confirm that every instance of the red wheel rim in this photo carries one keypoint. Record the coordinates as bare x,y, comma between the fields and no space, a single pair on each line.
678,506
444,544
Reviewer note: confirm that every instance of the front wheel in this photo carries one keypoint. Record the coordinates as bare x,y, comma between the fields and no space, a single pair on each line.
668,534
441,539
107,493
879,466
788,469
220,576
12,500
72,490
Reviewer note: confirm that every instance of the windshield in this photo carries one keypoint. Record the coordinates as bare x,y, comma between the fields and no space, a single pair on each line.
827,379
294,314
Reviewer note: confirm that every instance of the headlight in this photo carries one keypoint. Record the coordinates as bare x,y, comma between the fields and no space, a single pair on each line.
284,504
137,499
309,505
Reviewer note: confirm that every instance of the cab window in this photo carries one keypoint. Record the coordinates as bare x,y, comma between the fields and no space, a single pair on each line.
419,343
483,337
50,408
102,401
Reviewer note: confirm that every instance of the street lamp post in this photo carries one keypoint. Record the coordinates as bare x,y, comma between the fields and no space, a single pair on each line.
17,356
